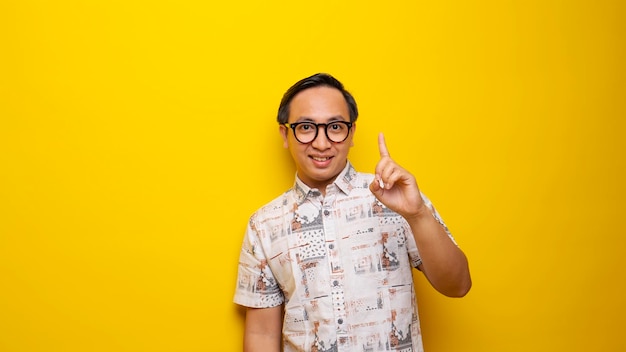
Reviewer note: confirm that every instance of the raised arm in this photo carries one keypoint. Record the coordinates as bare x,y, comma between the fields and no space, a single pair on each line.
443,262
263,330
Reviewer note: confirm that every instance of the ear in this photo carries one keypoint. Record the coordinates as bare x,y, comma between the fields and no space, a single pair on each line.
284,133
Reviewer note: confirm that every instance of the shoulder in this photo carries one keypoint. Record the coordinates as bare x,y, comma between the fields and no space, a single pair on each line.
275,208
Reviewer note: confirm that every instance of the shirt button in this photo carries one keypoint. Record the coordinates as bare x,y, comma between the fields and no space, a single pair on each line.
335,283
331,246
326,212
340,321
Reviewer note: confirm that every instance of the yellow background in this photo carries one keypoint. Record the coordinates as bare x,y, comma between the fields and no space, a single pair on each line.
137,137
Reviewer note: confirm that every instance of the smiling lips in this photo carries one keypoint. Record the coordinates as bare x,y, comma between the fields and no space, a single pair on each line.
321,159
322,162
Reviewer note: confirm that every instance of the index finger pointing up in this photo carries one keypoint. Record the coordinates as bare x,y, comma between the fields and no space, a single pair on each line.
382,147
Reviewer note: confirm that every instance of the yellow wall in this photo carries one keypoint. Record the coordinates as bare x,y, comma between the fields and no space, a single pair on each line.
136,137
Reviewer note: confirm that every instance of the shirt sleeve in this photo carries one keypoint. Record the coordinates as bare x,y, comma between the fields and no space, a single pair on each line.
430,205
256,284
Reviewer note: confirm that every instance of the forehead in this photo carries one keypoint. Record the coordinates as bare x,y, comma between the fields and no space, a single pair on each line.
319,104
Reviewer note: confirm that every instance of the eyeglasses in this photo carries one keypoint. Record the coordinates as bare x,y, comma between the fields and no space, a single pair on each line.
306,132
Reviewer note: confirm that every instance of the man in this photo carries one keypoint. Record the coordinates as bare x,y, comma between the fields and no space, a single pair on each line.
327,266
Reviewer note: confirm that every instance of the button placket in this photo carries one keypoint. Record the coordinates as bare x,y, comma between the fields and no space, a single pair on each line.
336,268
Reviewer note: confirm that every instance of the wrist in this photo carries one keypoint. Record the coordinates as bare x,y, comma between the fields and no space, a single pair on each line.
422,212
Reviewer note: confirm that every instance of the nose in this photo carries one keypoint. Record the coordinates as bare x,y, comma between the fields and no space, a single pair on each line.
321,141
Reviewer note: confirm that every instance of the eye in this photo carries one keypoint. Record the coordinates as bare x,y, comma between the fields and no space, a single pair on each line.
306,127
335,126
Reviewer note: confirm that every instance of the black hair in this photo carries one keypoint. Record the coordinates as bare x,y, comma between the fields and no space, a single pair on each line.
317,80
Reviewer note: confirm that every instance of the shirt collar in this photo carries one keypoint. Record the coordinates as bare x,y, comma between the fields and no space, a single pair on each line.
344,182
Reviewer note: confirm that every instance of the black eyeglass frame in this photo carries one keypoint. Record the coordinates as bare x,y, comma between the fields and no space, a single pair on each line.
317,129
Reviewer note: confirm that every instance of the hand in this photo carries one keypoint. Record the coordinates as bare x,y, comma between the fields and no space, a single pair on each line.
394,186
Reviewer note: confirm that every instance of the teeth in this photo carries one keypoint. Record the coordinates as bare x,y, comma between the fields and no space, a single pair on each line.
320,159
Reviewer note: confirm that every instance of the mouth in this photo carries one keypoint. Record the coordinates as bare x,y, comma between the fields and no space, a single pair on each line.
321,159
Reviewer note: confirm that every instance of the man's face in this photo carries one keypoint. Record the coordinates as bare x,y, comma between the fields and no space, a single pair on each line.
318,162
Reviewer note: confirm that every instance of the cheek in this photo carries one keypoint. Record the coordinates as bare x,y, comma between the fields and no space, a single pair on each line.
297,150
346,147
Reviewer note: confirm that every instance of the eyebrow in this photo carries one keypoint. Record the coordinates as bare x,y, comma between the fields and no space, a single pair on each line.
330,119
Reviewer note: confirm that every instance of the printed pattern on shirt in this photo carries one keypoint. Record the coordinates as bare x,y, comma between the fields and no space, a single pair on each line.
341,264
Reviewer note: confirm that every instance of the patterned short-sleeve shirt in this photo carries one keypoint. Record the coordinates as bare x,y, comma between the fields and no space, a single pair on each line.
341,264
